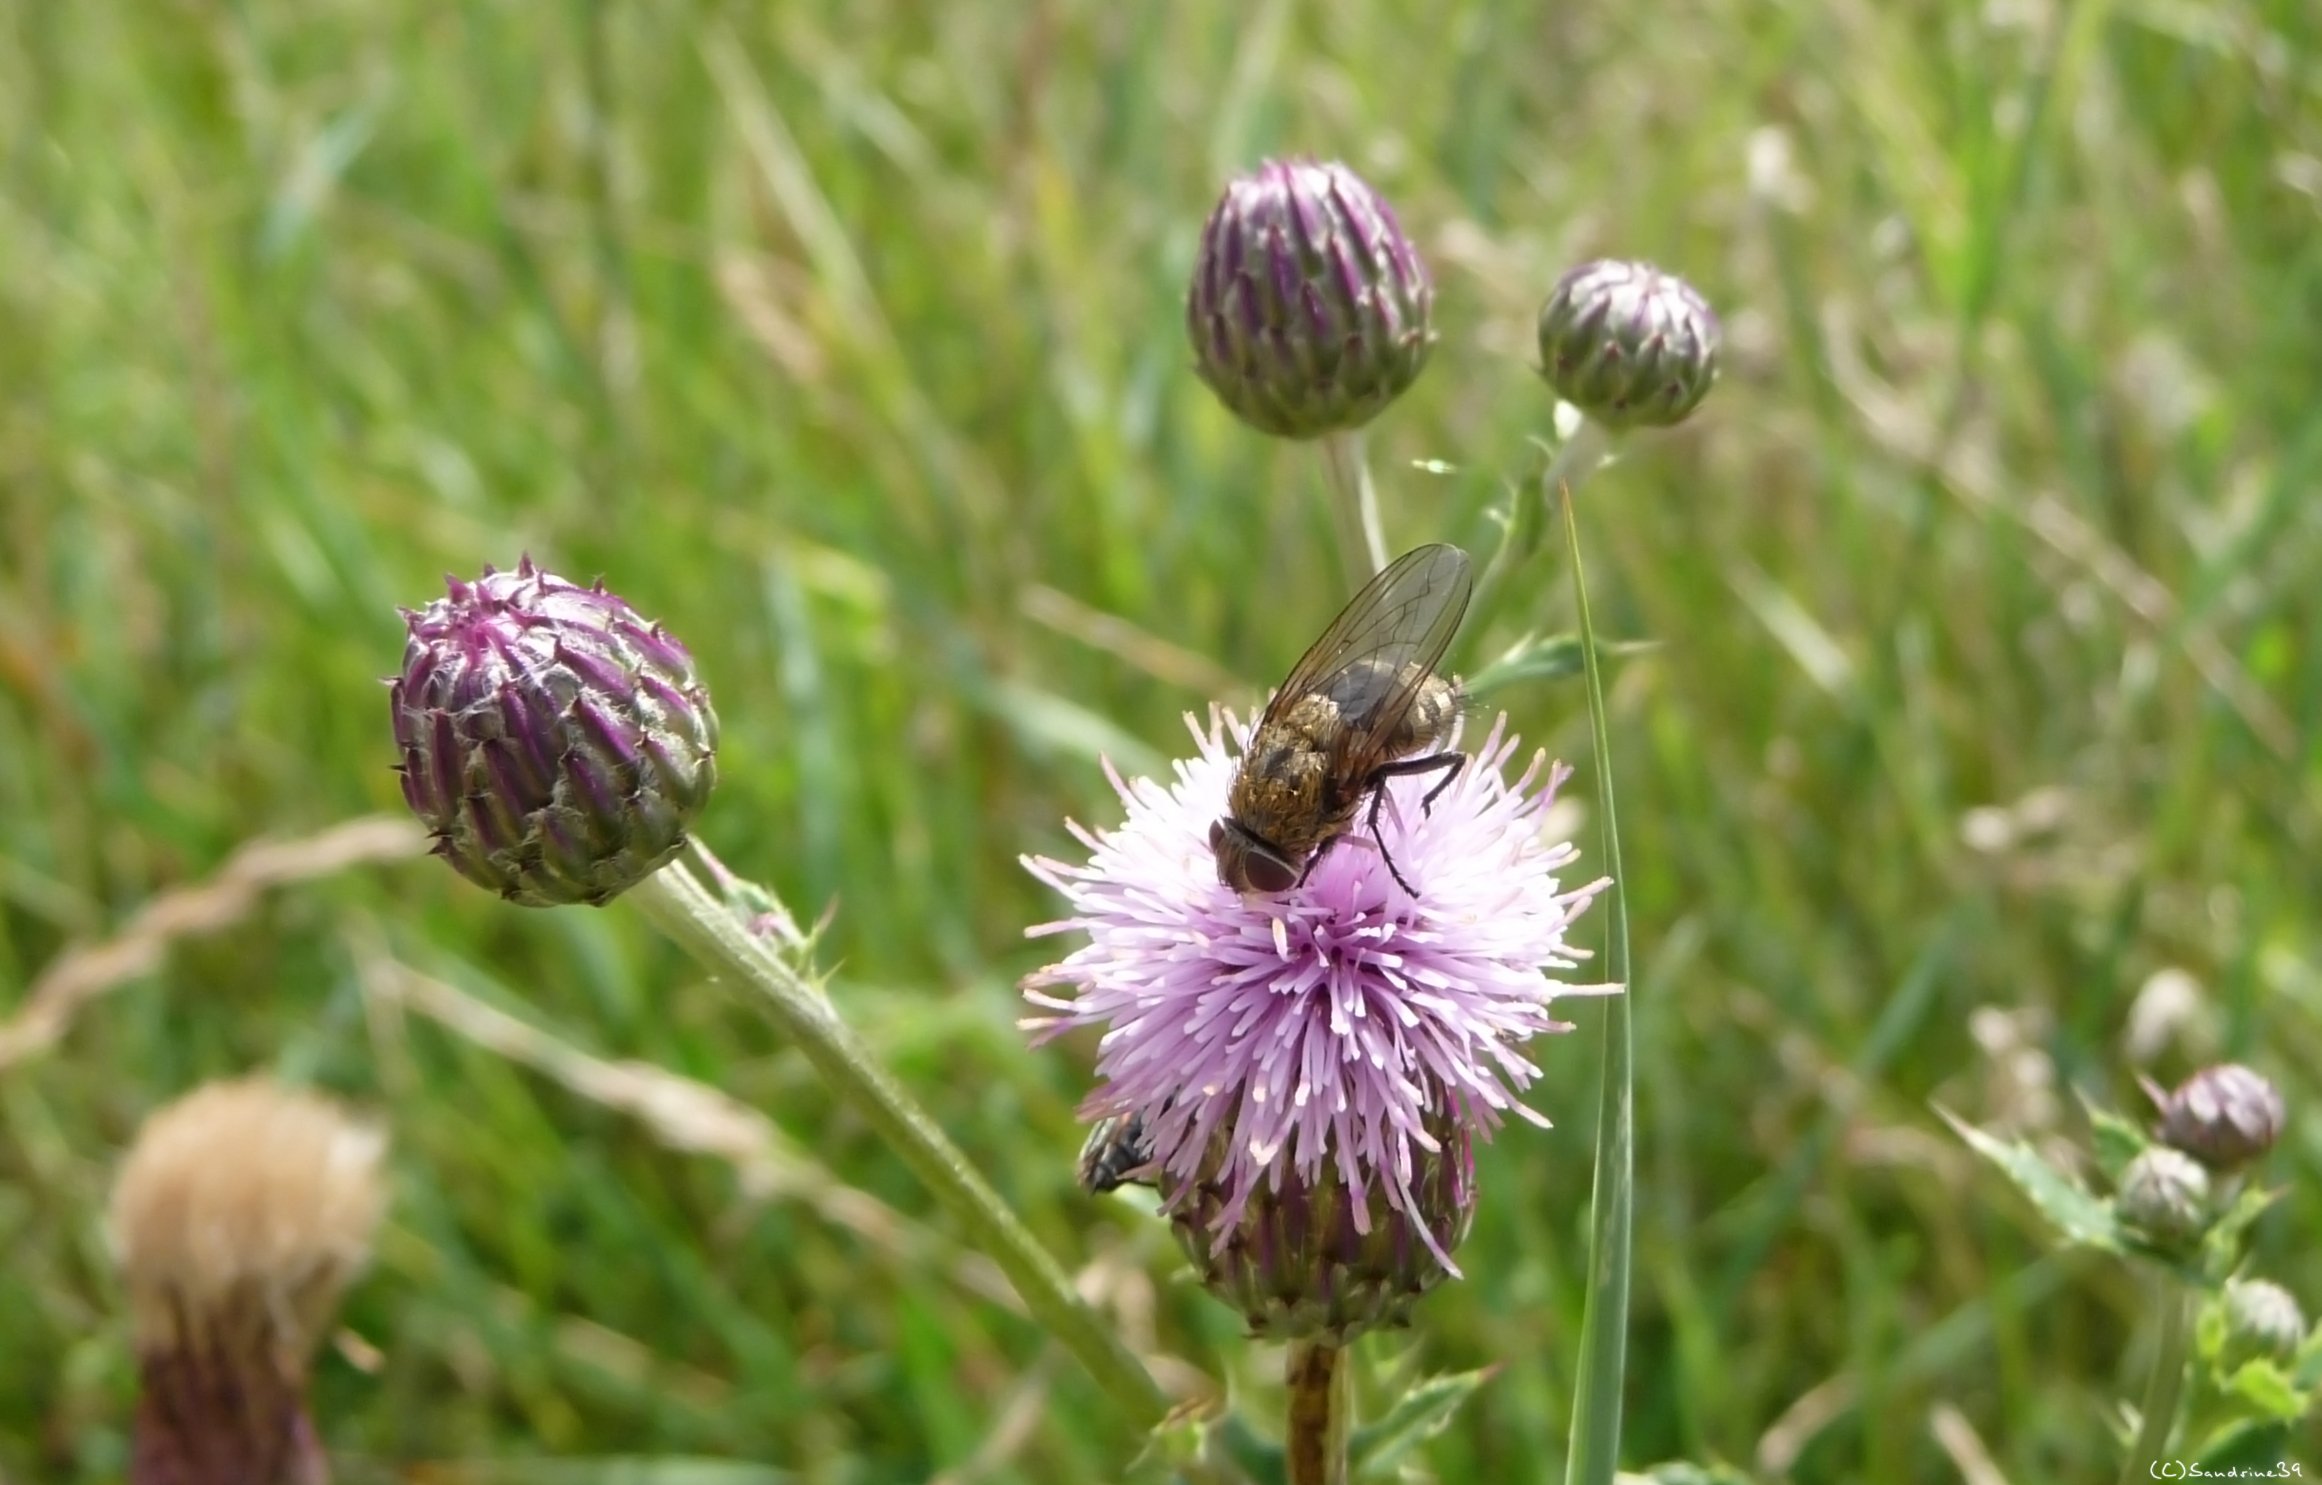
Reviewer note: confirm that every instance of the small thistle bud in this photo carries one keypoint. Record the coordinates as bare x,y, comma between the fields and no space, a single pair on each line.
1629,345
555,743
1309,308
1318,1263
241,1215
2164,1196
2224,1116
2262,1319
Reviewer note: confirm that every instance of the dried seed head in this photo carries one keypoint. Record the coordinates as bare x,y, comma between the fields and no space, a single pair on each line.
239,1218
1309,308
556,744
2225,1116
2262,1319
1322,1263
2164,1196
1629,345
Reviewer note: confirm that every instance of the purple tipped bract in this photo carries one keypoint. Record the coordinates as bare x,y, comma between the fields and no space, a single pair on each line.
556,744
1308,310
2225,1116
1343,1037
1629,345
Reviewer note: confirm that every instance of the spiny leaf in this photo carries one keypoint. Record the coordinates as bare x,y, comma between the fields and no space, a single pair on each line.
2069,1206
2221,1249
2268,1391
2116,1141
1377,1449
1234,1445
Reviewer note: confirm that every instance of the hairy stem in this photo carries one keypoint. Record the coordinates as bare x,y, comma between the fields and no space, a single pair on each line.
1596,1399
2159,1409
1354,504
678,904
1318,1414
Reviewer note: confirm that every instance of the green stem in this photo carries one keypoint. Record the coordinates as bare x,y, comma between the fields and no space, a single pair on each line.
1596,1399
680,906
2159,1411
1587,450
1355,503
1320,1410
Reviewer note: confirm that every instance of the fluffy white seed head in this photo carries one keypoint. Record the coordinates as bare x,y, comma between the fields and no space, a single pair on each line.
242,1213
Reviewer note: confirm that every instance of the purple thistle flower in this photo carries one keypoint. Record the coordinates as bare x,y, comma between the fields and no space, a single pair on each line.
1329,1035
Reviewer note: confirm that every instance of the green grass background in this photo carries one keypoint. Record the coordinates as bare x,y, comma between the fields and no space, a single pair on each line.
845,338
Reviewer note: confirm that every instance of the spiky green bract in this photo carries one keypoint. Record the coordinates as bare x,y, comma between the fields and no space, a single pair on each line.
1309,308
556,744
2262,1319
1299,1263
2165,1199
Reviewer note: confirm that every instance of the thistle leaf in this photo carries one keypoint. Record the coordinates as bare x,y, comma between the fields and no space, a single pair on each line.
2070,1207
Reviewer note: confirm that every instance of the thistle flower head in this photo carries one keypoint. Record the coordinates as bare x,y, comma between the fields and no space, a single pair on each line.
1309,308
1307,1067
2224,1116
240,1216
555,743
2262,1319
2165,1197
1629,345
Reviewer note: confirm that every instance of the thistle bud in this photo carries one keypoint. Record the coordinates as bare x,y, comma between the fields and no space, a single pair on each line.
1320,1263
2262,1319
240,1217
2164,1197
2225,1116
556,744
1629,345
1309,308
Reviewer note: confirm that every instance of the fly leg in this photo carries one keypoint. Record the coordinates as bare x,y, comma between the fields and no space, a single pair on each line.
1447,764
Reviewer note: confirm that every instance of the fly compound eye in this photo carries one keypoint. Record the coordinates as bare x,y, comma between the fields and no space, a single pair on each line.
1268,872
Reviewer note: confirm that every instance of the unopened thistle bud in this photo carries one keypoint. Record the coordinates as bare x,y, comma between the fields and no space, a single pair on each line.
1322,1263
2164,1197
239,1218
556,744
1629,345
2262,1319
1309,308
2224,1116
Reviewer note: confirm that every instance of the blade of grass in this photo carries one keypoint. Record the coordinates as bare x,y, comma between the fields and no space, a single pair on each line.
1596,1399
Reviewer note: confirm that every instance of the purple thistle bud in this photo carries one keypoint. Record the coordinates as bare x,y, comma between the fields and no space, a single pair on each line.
241,1215
2164,1198
2262,1320
1629,345
555,743
2225,1116
1309,308
1305,1070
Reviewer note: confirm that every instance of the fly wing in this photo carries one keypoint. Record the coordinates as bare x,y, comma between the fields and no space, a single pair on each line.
1380,649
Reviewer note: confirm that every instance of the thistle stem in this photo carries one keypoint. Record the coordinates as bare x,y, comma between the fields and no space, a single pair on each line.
1319,1414
1587,450
680,906
1355,504
2159,1409
1596,1399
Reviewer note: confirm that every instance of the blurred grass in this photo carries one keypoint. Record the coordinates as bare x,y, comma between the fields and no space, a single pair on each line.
845,338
